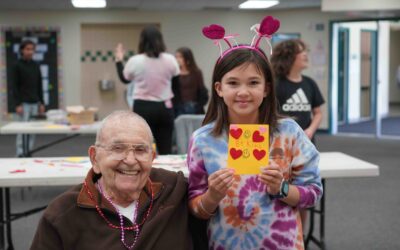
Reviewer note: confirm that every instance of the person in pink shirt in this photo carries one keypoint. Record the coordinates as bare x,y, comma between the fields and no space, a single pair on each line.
151,71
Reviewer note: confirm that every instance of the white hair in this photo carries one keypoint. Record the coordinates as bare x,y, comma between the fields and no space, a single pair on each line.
120,115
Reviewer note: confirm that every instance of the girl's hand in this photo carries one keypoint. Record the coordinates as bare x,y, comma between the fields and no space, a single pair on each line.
218,184
272,176
119,53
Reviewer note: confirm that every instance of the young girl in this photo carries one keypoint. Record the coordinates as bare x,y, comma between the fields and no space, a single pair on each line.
250,211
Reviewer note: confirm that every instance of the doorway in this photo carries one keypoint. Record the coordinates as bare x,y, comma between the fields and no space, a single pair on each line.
364,91
368,74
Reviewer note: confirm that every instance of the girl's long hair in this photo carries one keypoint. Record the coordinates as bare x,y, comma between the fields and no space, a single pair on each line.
188,58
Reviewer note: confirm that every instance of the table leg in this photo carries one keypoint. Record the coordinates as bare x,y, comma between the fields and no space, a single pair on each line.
322,217
8,218
313,211
311,227
2,219
27,152
25,145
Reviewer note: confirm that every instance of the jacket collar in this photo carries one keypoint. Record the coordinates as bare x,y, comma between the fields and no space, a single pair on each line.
84,199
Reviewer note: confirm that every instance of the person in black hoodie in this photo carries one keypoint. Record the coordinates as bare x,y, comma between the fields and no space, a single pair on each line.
27,89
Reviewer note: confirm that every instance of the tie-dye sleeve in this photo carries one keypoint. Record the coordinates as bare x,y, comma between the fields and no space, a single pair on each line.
198,175
305,170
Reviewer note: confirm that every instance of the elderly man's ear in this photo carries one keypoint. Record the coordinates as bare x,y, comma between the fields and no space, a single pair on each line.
92,155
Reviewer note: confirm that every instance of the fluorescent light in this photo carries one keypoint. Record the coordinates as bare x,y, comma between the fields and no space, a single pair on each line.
89,3
258,4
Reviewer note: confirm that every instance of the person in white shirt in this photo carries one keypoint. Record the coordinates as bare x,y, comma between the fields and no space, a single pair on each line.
151,71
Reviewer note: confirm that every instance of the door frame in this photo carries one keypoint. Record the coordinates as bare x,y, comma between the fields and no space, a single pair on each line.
344,91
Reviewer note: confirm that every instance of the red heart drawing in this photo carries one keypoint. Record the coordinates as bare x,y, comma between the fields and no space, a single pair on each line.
257,137
269,25
235,153
259,154
236,133
214,31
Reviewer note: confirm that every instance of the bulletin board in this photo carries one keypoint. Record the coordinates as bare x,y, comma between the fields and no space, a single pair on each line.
47,55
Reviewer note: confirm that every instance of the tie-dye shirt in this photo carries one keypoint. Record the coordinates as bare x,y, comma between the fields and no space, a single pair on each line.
247,218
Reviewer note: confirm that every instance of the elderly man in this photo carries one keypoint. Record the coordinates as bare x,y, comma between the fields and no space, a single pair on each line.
123,202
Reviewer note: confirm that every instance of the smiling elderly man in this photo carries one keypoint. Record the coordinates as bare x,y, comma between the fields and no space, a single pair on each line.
123,202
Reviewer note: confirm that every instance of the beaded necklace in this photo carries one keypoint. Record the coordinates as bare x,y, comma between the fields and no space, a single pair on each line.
135,227
121,219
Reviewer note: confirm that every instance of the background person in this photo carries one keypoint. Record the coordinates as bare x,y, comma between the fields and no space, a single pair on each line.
27,90
190,94
151,71
298,95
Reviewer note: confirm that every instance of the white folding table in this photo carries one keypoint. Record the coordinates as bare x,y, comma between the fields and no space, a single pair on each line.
45,127
64,171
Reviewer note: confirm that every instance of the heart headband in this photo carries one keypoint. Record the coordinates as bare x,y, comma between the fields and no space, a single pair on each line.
268,26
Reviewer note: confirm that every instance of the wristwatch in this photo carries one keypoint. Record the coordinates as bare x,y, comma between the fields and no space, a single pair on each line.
283,192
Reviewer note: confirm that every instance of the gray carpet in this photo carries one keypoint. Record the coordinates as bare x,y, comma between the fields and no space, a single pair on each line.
362,213
389,126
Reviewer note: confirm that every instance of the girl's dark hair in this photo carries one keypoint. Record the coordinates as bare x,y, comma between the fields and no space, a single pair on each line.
151,41
284,55
217,110
188,58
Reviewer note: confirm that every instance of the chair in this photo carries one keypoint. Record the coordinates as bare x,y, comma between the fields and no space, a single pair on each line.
185,125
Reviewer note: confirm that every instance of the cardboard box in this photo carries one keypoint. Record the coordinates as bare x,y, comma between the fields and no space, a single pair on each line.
84,117
78,115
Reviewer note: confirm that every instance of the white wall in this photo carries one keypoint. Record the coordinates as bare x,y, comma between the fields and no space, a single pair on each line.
179,29
383,67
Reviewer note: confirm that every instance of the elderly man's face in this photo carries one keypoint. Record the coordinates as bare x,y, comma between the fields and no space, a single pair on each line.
123,178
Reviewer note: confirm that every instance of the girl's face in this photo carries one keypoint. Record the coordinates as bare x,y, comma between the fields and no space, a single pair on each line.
242,89
301,61
180,59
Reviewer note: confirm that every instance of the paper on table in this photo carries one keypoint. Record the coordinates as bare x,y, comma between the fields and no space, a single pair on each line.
248,147
54,126
75,159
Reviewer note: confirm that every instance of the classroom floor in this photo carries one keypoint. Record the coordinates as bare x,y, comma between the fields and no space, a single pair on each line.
389,126
362,213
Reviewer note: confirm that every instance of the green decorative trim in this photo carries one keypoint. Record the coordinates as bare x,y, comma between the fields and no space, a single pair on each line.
91,56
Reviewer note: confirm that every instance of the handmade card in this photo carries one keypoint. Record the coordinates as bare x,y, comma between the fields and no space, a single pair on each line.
248,147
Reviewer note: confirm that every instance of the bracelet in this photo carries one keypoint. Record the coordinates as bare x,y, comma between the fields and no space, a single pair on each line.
204,210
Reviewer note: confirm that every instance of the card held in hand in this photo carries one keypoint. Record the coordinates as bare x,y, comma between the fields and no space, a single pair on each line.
248,147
